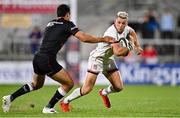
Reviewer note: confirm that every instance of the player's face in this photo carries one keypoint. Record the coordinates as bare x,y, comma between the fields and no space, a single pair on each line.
120,24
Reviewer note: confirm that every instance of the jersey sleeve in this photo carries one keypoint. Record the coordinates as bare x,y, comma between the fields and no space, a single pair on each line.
72,29
111,32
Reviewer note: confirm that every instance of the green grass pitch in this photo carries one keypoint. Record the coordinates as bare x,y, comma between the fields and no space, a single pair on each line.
133,101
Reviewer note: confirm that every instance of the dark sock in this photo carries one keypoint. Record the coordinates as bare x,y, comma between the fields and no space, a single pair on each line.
57,96
23,90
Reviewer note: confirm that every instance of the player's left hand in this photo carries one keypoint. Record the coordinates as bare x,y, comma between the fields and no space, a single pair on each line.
138,50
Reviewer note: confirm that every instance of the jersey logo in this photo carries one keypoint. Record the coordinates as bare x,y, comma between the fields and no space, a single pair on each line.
50,24
73,28
95,67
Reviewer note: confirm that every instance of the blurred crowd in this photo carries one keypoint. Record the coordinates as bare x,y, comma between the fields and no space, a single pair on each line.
165,26
35,38
153,27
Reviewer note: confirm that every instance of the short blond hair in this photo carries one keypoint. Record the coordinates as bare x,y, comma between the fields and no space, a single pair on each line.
122,14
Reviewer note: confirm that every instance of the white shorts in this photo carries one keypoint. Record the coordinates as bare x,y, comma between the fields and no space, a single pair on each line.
97,65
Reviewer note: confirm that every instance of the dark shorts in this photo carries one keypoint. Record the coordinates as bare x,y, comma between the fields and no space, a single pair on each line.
44,64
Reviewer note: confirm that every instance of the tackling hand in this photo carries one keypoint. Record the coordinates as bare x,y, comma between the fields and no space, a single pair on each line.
109,39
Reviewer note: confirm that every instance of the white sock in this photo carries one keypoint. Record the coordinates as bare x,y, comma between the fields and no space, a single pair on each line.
61,91
30,86
107,90
74,95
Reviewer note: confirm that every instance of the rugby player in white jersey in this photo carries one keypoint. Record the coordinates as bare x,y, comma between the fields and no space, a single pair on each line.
102,60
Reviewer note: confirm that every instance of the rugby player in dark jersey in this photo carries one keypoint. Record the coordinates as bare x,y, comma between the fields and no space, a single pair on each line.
44,63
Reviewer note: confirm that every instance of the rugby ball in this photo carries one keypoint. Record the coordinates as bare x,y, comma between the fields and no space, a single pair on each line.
123,42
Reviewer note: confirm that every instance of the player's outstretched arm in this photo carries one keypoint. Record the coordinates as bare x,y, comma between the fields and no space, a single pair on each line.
92,39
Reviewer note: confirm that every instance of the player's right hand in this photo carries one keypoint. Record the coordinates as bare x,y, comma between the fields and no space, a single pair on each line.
109,39
138,50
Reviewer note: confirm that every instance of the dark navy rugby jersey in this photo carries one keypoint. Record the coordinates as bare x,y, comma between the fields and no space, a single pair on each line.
56,34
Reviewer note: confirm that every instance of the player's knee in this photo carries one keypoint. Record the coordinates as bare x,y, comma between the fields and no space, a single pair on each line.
36,86
69,85
86,90
118,88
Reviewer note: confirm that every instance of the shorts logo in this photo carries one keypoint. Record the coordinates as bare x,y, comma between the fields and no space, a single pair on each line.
95,67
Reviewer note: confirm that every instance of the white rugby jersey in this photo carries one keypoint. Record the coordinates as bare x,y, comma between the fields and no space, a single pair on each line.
104,49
